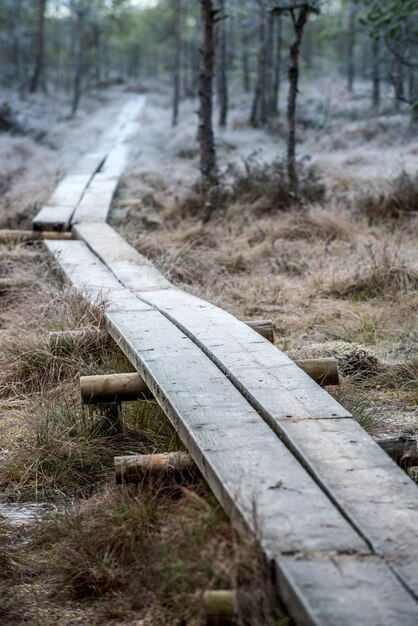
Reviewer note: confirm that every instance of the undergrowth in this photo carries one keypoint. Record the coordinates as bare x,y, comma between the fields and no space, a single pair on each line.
400,199
266,185
160,545
382,271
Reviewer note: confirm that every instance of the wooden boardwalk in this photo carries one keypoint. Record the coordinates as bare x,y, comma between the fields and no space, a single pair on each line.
335,516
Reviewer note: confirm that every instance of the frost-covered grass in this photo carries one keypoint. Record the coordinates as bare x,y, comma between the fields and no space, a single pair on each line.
33,161
323,273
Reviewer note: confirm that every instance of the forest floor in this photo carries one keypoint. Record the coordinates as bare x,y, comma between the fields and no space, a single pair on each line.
338,277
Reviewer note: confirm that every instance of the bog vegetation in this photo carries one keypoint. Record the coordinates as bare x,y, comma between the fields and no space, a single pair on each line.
293,195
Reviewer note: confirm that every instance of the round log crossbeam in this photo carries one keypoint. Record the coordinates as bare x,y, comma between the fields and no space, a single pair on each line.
265,328
130,386
31,235
403,450
322,371
132,468
113,388
219,607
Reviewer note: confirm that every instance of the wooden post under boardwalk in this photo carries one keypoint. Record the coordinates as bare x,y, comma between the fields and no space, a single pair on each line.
130,469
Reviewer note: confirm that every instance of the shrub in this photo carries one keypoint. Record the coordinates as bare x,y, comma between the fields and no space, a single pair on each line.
401,198
382,273
266,185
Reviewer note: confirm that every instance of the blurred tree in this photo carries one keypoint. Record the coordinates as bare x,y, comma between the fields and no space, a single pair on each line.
208,166
351,42
222,65
395,22
177,59
299,13
40,47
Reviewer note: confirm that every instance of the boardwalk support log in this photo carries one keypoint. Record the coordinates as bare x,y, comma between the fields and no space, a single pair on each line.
130,386
219,608
265,328
130,469
403,450
113,388
322,371
66,341
31,235
106,418
8,283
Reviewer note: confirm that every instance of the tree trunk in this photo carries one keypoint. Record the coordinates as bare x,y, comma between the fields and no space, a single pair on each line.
376,74
398,83
259,109
206,139
413,94
245,62
299,21
40,46
78,59
222,77
351,42
177,60
270,35
277,66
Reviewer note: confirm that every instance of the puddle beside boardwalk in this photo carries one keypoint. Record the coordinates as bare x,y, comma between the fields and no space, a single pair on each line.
18,513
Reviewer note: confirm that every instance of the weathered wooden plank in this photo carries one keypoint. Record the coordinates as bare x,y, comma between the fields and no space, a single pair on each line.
296,409
374,491
96,202
116,161
250,471
264,372
212,417
91,162
56,214
354,591
111,160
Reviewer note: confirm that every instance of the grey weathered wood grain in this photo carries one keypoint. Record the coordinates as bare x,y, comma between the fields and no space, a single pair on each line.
377,494
286,389
354,591
251,472
96,202
83,180
234,448
56,214
360,478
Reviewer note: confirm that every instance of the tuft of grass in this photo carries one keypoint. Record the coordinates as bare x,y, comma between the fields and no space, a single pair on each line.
56,449
315,224
156,547
402,375
402,198
60,448
189,152
355,395
382,273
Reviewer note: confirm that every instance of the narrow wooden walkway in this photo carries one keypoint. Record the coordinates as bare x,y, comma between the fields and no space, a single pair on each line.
335,516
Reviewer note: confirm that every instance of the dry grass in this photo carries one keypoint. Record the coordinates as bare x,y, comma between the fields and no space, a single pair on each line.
320,274
382,272
109,554
153,550
401,199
